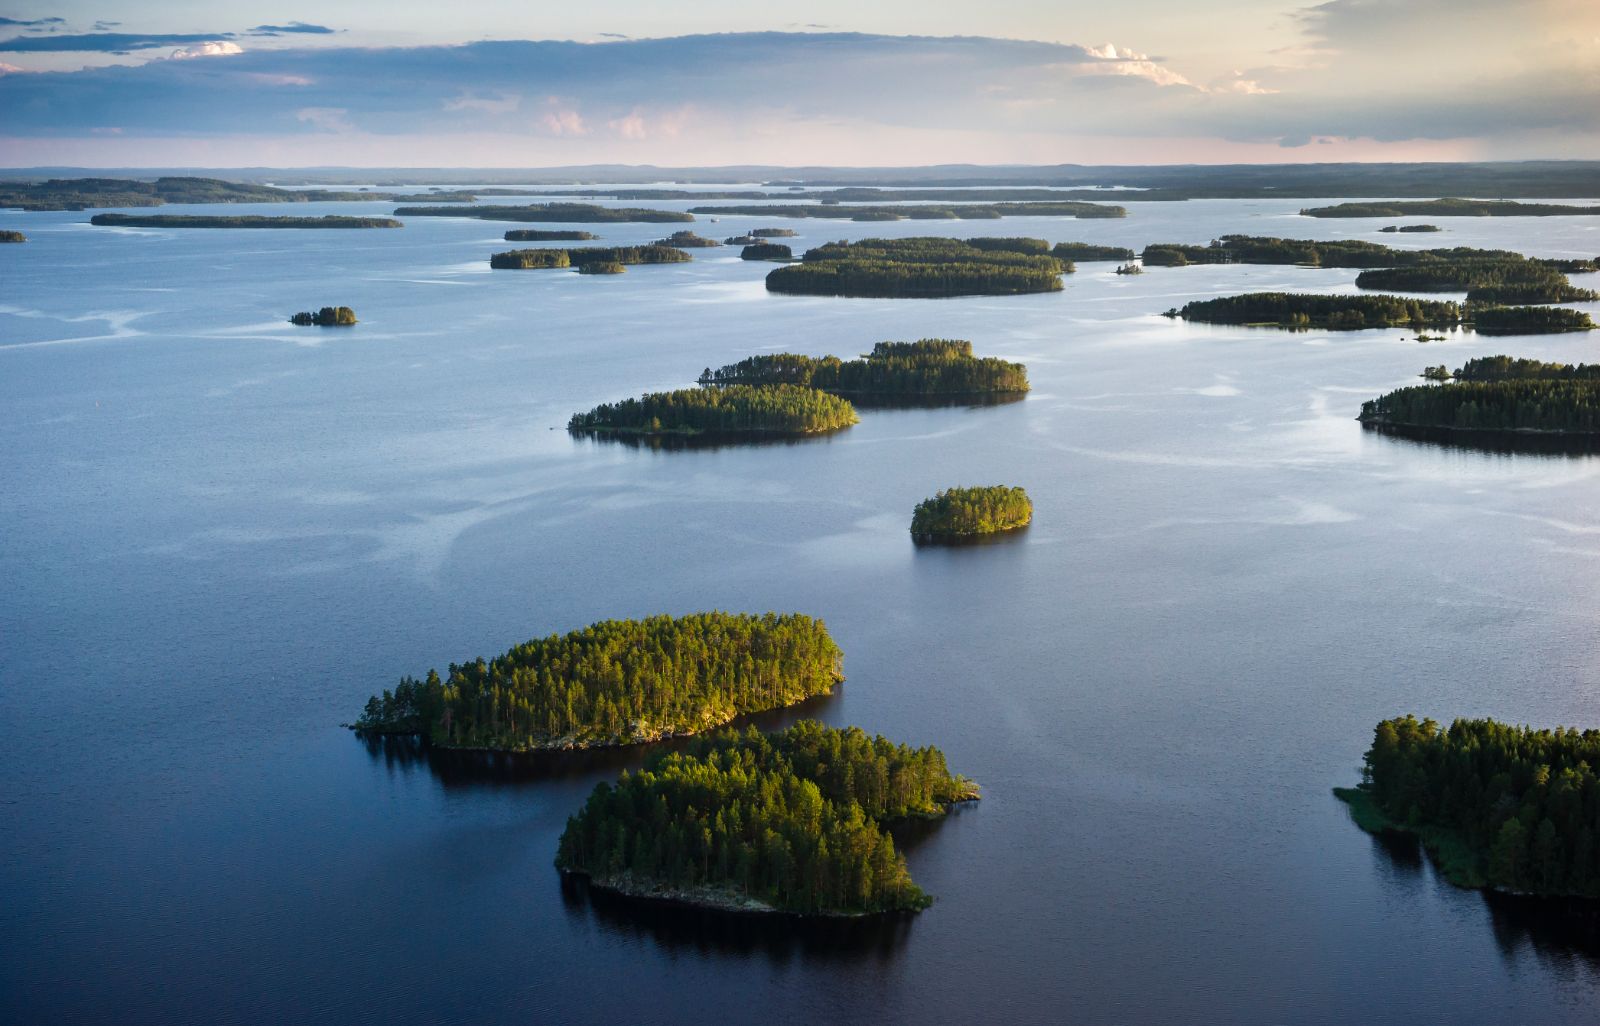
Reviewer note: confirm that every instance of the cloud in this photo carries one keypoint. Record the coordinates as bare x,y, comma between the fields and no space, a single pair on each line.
499,103
293,28
325,119
34,23
215,48
10,69
613,35
101,26
103,42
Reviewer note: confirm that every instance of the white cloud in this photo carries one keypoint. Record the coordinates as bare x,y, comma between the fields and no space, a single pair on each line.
216,48
327,119
499,103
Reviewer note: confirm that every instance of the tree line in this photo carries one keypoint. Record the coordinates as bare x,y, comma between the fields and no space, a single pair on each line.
1484,281
927,367
734,410
966,512
1449,207
1523,805
794,821
616,682
1567,406
1504,368
549,257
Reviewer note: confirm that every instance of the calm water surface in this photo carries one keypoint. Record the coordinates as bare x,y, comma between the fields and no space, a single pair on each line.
221,533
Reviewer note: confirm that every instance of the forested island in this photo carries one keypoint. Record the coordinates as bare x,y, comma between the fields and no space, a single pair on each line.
582,257
733,412
789,822
960,514
580,213
548,235
933,369
10,236
83,193
1484,281
687,239
923,267
245,221
327,317
1497,806
1256,249
1084,252
1525,406
616,682
773,233
602,267
1412,228
766,251
924,212
1353,313
1449,208
1504,368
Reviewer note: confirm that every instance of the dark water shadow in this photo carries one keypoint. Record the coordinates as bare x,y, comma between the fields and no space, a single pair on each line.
704,441
782,939
972,541
454,768
1504,442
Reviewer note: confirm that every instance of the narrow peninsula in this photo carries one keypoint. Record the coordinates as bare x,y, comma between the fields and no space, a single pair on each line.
793,822
244,221
735,412
965,514
919,268
617,682
1505,808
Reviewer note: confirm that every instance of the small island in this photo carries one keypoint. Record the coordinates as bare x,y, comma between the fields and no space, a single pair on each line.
793,822
766,251
964,514
934,370
616,682
1130,269
1297,311
1411,228
1449,208
580,213
740,240
738,411
1499,807
245,221
687,240
917,268
327,317
10,236
537,259
602,267
548,235
773,233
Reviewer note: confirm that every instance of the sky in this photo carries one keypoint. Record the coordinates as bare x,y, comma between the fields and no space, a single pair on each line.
493,83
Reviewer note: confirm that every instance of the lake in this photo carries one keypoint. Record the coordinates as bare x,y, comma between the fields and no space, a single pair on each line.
222,533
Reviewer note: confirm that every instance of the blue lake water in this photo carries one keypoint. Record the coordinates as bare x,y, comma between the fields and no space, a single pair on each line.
222,533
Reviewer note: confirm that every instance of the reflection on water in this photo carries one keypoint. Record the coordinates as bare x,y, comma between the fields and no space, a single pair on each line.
780,938
703,440
1529,443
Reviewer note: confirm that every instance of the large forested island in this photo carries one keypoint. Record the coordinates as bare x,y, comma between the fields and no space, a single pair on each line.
11,236
1506,368
245,221
548,235
616,682
582,257
1484,281
1258,249
1353,313
83,193
1509,808
578,213
790,822
1449,208
921,268
919,211
933,369
960,514
732,412
1511,406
